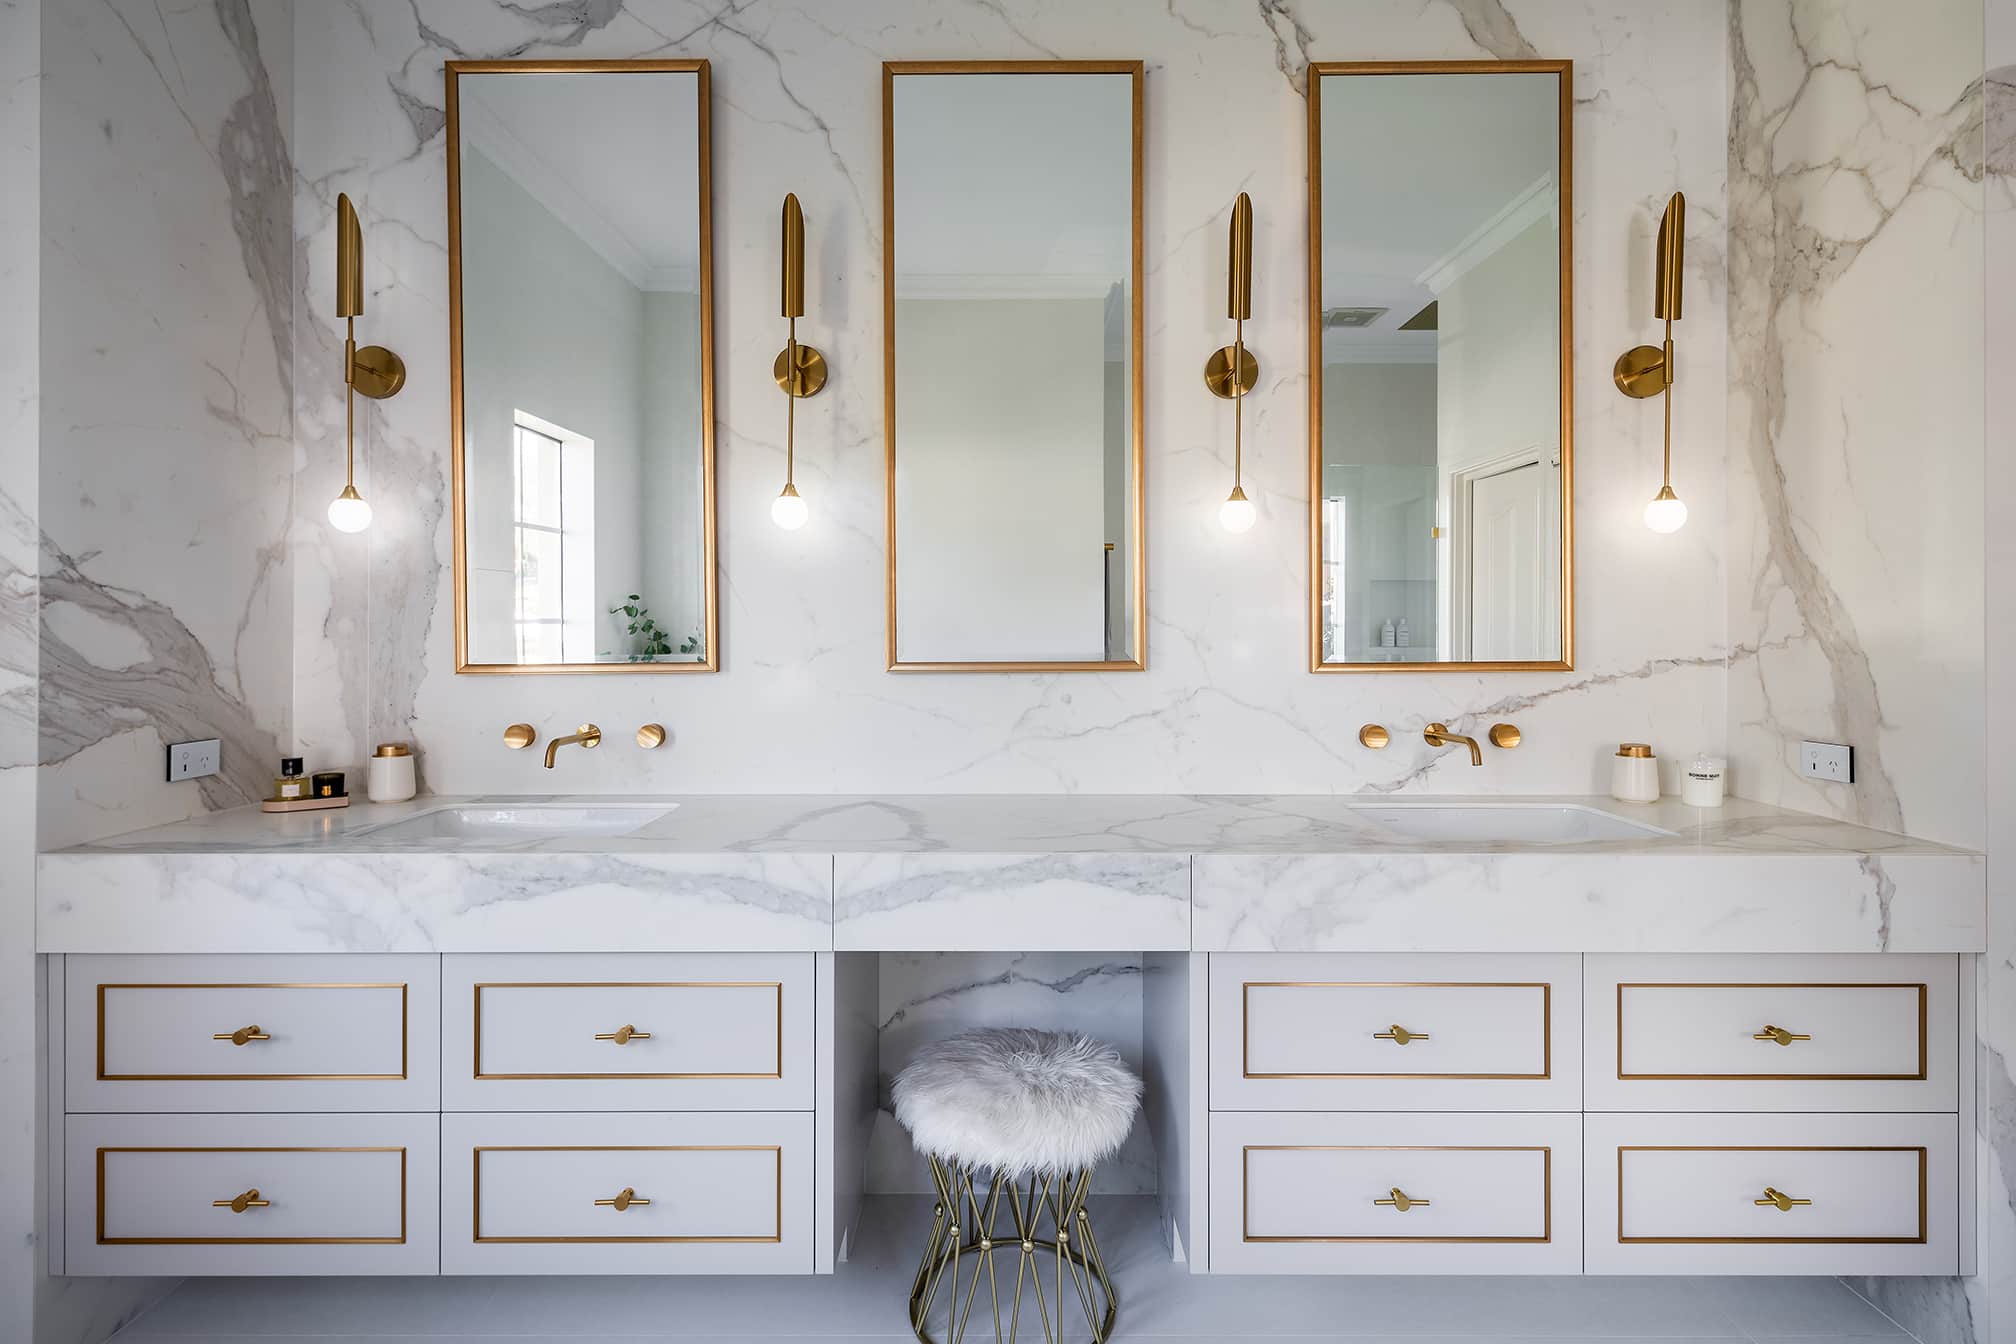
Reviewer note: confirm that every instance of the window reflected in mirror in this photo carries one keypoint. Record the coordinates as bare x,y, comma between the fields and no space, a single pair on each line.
1441,459
579,254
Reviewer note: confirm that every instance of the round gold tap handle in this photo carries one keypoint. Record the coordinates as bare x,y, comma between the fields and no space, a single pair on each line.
242,1035
520,736
239,1203
623,1035
1780,1035
1399,1035
626,1199
1401,1201
1779,1200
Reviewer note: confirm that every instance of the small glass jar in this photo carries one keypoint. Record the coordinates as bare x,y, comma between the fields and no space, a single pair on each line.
1634,774
390,777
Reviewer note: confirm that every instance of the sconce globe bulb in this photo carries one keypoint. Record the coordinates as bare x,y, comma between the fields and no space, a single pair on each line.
789,511
1666,513
349,512
1237,513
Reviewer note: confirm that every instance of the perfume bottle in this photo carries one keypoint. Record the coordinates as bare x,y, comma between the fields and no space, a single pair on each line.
290,787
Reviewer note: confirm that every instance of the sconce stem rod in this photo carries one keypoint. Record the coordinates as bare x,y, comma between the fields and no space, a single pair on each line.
1238,401
350,402
791,405
1666,396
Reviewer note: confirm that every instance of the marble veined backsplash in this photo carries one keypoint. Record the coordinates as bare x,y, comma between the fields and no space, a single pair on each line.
803,702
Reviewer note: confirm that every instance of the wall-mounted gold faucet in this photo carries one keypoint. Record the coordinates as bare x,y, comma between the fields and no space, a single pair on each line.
1435,734
589,736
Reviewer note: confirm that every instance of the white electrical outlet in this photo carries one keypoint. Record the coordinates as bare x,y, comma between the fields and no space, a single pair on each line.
193,760
1827,760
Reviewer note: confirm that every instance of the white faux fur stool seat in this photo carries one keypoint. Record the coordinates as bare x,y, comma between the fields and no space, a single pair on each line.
1016,1101
993,1107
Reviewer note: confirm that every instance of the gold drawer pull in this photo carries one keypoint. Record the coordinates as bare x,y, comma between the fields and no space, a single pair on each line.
1780,1035
239,1203
1399,1035
1401,1202
1779,1200
626,1199
623,1035
242,1035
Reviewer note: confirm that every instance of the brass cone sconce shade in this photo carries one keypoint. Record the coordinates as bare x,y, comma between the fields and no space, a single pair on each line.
1232,371
1649,370
373,370
799,370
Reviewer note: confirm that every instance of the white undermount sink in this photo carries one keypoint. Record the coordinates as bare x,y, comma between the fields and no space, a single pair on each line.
523,822
1505,823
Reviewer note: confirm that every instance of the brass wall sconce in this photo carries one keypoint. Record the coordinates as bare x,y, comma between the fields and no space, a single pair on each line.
1232,371
800,370
1648,370
374,370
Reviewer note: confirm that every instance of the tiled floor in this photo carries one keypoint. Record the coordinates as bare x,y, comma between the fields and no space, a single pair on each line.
1160,1302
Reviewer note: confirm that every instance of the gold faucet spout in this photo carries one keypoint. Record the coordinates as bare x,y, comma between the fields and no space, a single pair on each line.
1436,735
588,736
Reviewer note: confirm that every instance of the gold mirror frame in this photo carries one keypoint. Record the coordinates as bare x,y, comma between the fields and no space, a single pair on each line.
711,584
1565,148
1137,501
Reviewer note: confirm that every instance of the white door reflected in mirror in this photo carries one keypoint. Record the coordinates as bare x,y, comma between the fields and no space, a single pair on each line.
1443,462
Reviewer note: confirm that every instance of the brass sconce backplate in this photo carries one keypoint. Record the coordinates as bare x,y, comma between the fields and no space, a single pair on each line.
1218,372
377,373
1641,371
811,371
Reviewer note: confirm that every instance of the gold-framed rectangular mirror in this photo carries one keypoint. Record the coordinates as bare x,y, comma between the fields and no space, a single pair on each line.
581,347
1012,202
1441,396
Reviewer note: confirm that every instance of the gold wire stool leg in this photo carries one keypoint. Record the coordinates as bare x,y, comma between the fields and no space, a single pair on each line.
963,1231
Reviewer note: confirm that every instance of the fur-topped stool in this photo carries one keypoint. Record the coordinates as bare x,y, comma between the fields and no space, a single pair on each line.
1013,1122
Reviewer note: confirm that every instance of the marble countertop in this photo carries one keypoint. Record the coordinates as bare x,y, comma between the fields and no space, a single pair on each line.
821,873
1013,824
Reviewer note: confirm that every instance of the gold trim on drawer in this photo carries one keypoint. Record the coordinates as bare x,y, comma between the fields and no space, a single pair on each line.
476,1191
399,1240
1546,989
405,1036
1918,1240
476,1023
1923,1031
1546,1182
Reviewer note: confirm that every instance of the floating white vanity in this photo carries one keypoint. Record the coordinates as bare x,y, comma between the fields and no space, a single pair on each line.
484,1036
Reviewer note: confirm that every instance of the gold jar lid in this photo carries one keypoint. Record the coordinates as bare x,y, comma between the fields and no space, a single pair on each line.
393,749
1640,750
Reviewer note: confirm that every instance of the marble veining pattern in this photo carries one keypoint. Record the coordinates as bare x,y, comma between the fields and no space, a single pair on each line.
1855,313
803,701
167,406
1056,873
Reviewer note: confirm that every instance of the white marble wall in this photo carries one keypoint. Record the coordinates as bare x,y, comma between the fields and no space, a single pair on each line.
930,995
167,405
803,701
20,205
1997,1292
1855,408
1856,431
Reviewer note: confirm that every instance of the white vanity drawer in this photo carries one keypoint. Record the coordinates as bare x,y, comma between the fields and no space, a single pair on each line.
252,1033
1695,1194
1348,1031
1314,1193
705,1031
728,1193
339,1194
1836,1033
